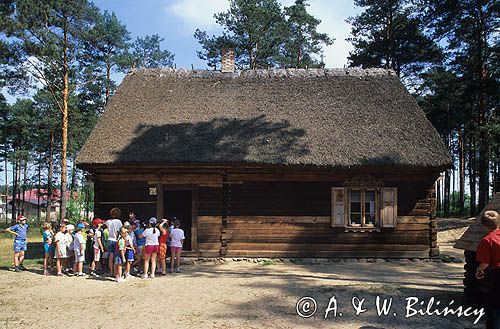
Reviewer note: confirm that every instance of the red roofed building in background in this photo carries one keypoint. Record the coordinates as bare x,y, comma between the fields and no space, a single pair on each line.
35,200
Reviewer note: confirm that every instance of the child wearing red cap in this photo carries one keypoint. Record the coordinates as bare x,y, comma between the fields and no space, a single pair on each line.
97,246
20,232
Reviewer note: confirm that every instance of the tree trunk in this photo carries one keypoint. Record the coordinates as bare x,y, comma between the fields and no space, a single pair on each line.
472,179
49,177
19,188
25,174
439,183
484,149
14,190
64,122
496,174
73,179
6,185
39,186
461,162
446,205
484,170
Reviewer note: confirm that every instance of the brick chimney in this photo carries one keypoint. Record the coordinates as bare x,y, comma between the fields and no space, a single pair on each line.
227,60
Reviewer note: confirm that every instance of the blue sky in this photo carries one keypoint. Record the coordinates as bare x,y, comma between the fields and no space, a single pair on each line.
176,21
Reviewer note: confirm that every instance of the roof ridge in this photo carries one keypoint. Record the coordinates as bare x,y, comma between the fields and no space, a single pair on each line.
264,73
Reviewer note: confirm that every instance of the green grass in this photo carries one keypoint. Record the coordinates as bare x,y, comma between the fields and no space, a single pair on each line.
268,262
34,255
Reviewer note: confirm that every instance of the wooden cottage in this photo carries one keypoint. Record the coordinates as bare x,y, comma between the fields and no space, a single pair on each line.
469,242
272,163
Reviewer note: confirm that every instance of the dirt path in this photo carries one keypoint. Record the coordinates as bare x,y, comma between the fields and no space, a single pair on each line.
232,295
240,295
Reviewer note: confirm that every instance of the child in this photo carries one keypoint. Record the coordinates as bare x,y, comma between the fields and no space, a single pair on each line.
140,242
488,257
114,226
162,254
48,237
129,249
97,246
105,255
151,250
79,249
60,249
20,232
176,246
70,252
119,254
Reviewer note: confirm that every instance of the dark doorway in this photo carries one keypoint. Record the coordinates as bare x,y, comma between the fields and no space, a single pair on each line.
178,205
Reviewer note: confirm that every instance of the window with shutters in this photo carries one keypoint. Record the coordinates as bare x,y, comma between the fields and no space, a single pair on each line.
364,207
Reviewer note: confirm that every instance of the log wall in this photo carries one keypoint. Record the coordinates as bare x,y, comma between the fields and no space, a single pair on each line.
293,219
249,215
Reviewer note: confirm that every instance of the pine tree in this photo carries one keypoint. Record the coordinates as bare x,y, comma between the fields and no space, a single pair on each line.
146,53
470,31
52,35
388,34
104,49
256,30
304,44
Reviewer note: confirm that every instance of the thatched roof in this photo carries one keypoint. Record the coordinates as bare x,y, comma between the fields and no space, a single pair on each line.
476,231
330,117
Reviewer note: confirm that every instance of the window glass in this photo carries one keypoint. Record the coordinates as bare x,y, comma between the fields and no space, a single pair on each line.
370,207
355,215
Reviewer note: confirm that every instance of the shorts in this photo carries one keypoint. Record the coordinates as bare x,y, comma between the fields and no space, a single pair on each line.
97,254
176,250
48,248
79,257
112,247
129,255
140,251
20,245
118,259
163,251
152,250
63,251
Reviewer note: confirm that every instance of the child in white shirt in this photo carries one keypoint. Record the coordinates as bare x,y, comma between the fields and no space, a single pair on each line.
176,246
79,245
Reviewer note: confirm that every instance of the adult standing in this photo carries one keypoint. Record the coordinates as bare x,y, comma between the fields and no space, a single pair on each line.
152,247
20,232
488,257
114,225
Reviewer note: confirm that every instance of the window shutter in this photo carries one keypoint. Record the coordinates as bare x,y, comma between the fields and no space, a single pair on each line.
388,212
338,206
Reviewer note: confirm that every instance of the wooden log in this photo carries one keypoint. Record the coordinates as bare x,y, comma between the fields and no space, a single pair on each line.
325,247
279,219
209,219
328,254
413,220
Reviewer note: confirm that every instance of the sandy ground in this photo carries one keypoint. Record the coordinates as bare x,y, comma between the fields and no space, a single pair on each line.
241,295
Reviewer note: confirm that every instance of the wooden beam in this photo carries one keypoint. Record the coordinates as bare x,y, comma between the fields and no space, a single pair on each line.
194,218
159,201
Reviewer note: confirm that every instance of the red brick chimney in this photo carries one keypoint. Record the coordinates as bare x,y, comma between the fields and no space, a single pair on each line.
227,60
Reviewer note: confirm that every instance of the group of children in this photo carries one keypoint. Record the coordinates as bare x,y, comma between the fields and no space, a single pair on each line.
115,248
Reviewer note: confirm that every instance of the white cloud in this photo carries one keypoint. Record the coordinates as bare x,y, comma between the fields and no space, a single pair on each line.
333,15
196,13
